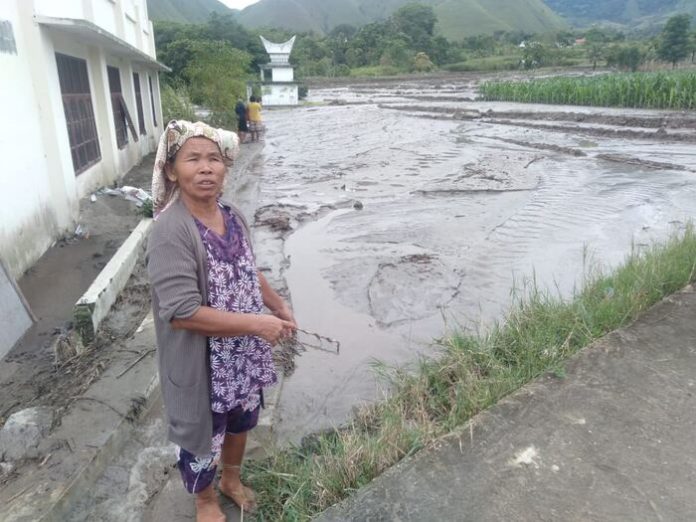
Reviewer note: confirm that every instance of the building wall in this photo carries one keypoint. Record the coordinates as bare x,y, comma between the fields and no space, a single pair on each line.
29,218
279,94
39,191
283,74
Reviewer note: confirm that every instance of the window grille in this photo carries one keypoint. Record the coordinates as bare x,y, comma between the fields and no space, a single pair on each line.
7,39
79,113
139,103
117,107
152,102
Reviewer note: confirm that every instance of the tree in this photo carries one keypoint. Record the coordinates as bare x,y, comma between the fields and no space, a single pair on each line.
422,63
345,31
417,23
534,55
674,40
629,57
396,54
595,52
217,77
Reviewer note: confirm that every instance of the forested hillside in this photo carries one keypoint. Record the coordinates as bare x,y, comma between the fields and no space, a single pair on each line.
457,18
620,11
184,11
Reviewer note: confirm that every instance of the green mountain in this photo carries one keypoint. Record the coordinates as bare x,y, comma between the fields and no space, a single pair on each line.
457,18
628,12
184,11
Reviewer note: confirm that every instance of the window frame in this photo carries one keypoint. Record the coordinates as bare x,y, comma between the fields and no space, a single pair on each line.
76,94
152,101
139,103
116,91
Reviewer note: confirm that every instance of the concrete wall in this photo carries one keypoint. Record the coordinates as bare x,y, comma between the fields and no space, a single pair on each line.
283,74
29,218
279,94
39,200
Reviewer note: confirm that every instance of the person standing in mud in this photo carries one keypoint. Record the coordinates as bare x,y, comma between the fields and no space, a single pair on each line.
213,341
242,127
255,123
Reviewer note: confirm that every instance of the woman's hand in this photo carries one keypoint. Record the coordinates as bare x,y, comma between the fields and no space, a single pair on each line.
283,312
272,328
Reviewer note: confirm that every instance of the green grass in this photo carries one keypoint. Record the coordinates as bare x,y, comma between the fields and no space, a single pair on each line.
661,90
372,71
487,63
470,373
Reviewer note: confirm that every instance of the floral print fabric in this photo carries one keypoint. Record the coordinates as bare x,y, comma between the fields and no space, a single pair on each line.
198,472
240,367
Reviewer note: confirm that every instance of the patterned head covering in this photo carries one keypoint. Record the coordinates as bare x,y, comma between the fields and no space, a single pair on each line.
164,192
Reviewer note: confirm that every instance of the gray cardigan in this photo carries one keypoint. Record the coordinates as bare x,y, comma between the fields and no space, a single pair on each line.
177,266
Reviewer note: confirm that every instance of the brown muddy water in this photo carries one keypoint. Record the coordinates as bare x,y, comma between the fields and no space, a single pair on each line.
460,201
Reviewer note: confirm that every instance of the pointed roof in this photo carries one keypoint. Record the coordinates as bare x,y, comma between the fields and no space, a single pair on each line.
278,48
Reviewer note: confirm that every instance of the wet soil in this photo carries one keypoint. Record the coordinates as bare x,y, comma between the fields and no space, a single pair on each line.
459,201
30,375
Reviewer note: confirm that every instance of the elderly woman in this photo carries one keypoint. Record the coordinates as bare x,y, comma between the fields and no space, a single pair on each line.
213,339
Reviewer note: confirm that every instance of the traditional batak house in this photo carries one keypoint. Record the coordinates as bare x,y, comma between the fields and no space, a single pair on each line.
79,96
278,85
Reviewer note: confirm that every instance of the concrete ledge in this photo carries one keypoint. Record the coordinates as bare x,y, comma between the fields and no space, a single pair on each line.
93,306
90,435
612,441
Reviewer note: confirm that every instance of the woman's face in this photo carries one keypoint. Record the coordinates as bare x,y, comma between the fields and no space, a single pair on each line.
198,168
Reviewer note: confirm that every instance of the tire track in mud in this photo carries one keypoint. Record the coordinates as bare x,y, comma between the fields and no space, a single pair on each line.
559,208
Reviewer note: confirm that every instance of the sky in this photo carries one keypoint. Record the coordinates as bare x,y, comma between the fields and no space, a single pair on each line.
238,4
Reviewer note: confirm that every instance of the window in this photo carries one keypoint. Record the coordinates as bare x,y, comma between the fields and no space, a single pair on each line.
152,102
7,39
117,107
79,113
139,103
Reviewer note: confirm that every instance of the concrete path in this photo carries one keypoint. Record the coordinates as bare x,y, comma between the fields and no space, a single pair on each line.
615,440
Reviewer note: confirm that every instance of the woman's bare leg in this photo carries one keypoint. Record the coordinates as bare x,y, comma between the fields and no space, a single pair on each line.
231,483
207,506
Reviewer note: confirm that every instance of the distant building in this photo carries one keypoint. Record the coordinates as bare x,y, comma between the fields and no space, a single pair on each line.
580,41
278,85
79,95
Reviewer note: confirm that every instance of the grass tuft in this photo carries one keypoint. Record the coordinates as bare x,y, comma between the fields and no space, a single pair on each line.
469,374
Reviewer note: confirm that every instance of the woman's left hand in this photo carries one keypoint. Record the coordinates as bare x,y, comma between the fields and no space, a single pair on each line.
285,313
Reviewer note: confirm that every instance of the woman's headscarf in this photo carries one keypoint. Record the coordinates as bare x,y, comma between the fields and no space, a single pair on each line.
164,192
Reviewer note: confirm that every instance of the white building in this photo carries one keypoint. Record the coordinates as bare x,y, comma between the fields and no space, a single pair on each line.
278,77
79,97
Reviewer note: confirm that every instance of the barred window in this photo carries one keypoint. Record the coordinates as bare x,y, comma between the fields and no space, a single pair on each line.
139,103
117,107
79,113
152,102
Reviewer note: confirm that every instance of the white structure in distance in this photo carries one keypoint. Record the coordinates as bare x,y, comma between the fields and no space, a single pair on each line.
278,86
79,92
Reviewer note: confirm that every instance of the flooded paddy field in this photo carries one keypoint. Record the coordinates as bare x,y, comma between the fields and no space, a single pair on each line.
406,210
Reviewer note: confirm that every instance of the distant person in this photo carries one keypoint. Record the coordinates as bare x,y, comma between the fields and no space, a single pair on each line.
242,126
213,339
254,112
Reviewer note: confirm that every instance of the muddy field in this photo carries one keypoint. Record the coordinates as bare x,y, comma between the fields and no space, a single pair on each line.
405,210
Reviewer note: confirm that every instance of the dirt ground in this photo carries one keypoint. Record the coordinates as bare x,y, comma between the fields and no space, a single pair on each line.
31,375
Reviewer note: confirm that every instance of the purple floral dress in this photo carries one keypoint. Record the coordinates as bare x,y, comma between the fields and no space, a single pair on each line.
240,367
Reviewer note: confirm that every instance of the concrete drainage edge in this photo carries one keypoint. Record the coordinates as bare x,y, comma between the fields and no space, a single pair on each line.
96,302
